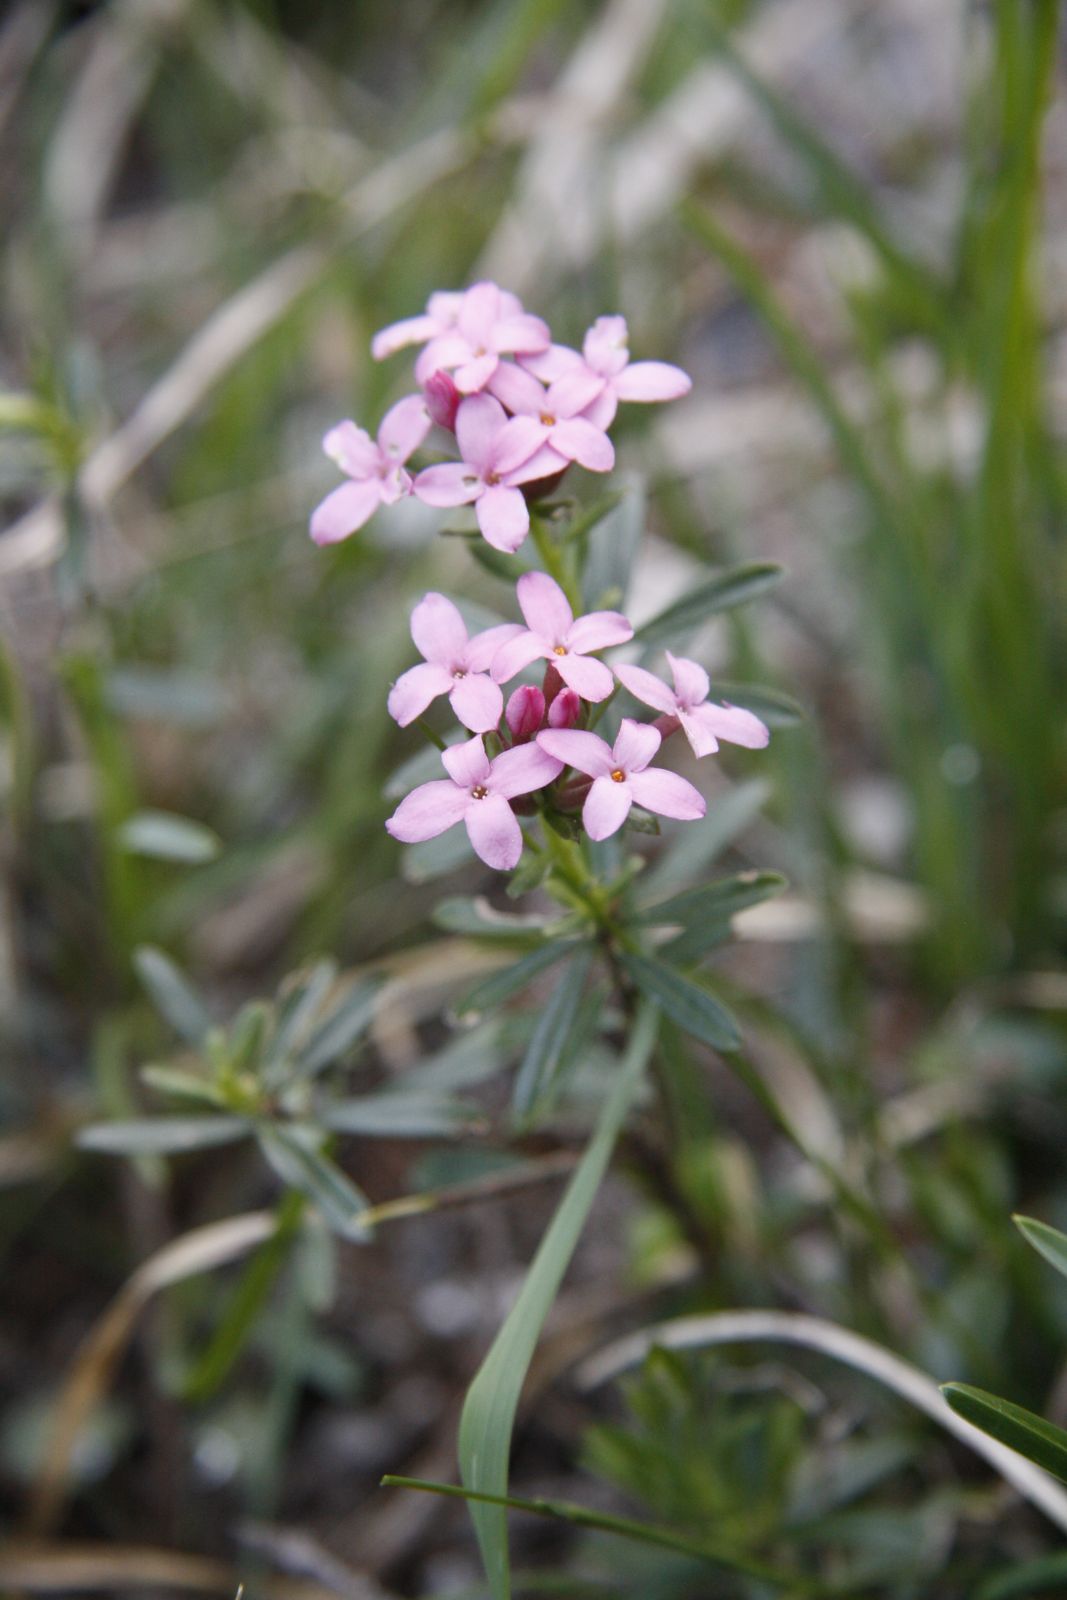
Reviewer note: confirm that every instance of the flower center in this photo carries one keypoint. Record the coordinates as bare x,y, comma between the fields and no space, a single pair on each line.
479,791
459,673
547,419
618,776
492,478
559,649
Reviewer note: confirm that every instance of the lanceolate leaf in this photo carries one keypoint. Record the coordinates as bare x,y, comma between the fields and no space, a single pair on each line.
492,1400
700,843
776,709
1039,1441
478,919
172,994
401,1116
1048,1241
728,589
299,1162
340,1030
162,1136
493,991
168,837
552,1035
715,900
685,1002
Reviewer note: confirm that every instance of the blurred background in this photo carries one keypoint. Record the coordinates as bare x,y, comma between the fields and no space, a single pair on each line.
848,222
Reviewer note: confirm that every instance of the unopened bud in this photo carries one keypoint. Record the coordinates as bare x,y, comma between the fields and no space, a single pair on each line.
442,399
525,711
565,709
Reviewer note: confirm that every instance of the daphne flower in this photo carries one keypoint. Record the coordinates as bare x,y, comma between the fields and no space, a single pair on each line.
442,399
375,468
498,453
622,776
476,793
489,323
525,711
553,633
453,664
605,357
703,723
565,710
557,413
442,310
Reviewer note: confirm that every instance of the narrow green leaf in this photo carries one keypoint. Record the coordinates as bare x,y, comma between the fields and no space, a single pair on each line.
701,843
1044,1575
551,1036
167,837
685,1002
1039,1441
172,994
302,999
776,709
162,1136
300,1163
1046,1240
182,1085
714,900
339,1032
492,1400
612,549
728,589
477,919
400,1116
500,986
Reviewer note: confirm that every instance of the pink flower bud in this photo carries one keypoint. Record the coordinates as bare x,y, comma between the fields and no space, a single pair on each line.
525,711
565,709
442,399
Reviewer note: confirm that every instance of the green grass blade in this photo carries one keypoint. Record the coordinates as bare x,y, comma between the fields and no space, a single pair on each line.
492,1400
1039,1441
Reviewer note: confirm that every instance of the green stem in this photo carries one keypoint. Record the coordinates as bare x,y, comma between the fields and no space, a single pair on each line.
555,565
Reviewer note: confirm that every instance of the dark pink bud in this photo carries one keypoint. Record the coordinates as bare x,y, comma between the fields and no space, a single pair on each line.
442,399
565,709
525,711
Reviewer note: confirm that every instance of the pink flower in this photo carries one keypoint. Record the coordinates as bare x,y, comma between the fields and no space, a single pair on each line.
525,711
453,664
703,724
376,469
498,453
442,399
489,323
622,777
565,709
552,632
557,412
442,311
476,792
606,358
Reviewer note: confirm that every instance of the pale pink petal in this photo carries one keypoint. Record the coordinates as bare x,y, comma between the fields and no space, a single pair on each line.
414,690
702,739
732,723
667,794
565,710
517,441
479,314
580,440
517,653
477,702
646,687
472,376
441,354
451,484
585,752
544,463
607,805
519,391
412,330
353,449
597,630
690,680
602,411
404,427
504,518
428,811
652,380
574,392
467,764
442,399
635,745
522,333
525,711
523,769
544,605
394,485
438,630
493,830
483,647
605,345
478,421
550,364
345,510
585,675
444,306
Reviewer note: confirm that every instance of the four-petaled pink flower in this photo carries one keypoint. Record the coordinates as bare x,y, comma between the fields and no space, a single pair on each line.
553,633
498,454
375,468
442,311
557,413
453,664
476,792
605,358
489,323
622,776
703,722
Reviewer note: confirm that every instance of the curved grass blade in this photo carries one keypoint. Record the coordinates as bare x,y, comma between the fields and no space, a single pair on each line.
1039,1441
492,1400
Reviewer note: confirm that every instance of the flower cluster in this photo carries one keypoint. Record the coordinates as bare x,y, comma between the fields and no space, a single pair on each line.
522,409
